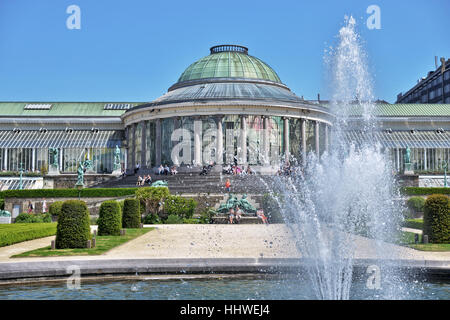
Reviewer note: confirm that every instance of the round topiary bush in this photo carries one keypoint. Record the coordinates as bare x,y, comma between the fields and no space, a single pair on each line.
436,218
131,214
55,208
415,205
73,229
109,219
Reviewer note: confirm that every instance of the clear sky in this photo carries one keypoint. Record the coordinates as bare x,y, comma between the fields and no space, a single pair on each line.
134,50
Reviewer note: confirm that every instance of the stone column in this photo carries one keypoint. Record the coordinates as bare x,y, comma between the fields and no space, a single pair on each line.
303,148
198,126
61,160
266,141
286,137
317,137
243,140
158,142
425,159
219,141
33,159
5,160
143,144
398,159
133,148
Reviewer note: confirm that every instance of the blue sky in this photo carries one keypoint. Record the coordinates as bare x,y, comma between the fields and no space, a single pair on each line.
134,50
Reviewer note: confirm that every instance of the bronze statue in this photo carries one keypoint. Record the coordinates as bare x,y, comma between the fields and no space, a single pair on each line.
54,152
159,183
80,172
245,205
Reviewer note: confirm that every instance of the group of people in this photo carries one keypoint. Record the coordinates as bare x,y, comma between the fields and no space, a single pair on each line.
237,170
141,181
235,215
286,170
31,207
166,170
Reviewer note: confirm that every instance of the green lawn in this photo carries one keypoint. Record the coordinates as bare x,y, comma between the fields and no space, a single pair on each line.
407,239
19,232
103,244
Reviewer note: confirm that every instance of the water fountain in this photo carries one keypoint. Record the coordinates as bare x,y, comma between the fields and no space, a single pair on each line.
328,204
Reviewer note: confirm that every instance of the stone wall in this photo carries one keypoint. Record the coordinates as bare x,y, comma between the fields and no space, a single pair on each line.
64,181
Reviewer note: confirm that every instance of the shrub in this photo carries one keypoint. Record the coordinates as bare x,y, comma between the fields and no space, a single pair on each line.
413,223
183,207
272,209
109,219
55,208
415,204
206,216
131,217
174,219
2,204
436,218
33,218
73,229
153,198
152,219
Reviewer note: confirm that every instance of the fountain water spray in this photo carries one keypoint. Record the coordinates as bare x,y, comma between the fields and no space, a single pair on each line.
335,203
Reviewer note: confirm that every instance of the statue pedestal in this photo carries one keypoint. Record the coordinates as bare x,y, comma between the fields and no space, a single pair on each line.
53,170
116,172
408,170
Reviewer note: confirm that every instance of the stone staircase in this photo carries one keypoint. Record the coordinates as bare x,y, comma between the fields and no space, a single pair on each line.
192,182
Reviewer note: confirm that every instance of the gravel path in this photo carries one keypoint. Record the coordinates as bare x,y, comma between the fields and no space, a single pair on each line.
219,241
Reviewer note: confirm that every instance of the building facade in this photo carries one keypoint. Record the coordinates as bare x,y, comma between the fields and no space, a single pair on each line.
434,88
226,107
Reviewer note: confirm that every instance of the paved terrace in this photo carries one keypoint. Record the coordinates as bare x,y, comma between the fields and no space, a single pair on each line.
200,248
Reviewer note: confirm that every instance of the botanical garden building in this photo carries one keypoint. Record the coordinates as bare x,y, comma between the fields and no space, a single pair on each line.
226,107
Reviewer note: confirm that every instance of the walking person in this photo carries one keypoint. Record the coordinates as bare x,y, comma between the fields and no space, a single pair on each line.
228,185
44,206
30,207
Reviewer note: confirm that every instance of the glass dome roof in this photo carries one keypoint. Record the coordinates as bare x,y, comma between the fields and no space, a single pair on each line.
229,61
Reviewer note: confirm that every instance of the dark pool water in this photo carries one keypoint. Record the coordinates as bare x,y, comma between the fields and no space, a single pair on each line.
214,289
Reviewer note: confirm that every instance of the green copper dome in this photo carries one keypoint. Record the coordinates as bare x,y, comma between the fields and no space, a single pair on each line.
229,61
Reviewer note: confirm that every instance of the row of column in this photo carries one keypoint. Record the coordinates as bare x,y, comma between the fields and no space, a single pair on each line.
242,147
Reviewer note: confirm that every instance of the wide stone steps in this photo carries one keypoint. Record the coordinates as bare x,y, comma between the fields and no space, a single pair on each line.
194,183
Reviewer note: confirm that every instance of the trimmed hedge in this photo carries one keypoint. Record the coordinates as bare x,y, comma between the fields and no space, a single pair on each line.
413,223
109,219
424,191
131,217
436,218
33,218
180,206
73,228
68,193
19,232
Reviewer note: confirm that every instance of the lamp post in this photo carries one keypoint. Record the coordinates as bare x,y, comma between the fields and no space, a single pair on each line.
79,187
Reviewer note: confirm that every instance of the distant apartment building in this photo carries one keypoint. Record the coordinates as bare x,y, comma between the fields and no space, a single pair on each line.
432,89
